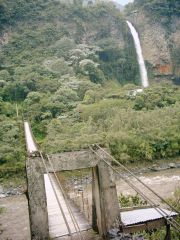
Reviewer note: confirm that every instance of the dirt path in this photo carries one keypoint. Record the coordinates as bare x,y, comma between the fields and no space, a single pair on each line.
14,221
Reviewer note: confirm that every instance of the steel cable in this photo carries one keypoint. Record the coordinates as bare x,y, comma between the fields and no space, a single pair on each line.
160,211
66,201
59,204
132,174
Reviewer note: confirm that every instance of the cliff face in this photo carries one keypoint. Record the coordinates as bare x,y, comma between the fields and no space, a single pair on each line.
159,44
4,38
57,30
175,39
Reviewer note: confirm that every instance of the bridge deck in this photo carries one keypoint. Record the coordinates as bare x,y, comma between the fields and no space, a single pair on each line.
57,226
30,144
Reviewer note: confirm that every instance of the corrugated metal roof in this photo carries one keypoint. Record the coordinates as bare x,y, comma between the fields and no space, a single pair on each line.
144,215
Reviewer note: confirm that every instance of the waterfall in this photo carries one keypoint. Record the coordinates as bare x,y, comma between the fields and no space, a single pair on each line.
142,67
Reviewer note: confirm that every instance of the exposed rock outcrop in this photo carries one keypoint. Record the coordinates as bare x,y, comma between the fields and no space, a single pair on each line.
158,43
4,38
175,39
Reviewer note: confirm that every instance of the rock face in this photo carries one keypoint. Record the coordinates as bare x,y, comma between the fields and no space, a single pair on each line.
175,39
158,43
4,38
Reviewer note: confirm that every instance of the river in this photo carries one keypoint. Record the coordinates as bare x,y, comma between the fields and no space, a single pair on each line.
163,182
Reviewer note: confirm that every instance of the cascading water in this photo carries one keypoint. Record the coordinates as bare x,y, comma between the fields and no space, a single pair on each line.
142,67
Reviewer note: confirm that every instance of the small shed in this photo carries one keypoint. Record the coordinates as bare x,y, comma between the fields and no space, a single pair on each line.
134,220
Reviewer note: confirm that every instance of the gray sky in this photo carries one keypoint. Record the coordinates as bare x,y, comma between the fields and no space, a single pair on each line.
123,2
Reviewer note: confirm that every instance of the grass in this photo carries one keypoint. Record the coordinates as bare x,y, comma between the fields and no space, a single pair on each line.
13,181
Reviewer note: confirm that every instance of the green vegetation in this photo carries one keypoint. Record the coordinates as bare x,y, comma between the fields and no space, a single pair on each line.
131,201
12,151
49,65
135,128
69,70
165,8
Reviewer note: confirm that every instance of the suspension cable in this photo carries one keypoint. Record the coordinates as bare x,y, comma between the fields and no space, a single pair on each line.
132,174
146,198
160,211
59,204
75,223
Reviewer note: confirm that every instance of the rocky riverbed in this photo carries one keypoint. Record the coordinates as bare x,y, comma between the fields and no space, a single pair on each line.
154,176
80,183
14,219
11,191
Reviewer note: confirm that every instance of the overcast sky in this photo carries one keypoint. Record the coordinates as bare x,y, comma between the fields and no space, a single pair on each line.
123,2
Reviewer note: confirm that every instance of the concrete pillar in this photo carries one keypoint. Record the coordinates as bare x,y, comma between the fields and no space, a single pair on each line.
98,222
37,199
105,200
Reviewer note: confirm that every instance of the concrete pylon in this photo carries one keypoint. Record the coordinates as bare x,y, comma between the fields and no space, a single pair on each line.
105,201
38,215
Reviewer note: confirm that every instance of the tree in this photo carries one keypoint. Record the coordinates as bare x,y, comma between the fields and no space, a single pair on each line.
5,76
65,95
63,47
14,92
33,97
59,66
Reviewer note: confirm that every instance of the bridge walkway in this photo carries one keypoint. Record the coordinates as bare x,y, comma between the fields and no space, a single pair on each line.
59,208
57,225
61,222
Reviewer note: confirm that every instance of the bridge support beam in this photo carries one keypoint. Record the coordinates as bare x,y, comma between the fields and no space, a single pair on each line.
37,199
105,201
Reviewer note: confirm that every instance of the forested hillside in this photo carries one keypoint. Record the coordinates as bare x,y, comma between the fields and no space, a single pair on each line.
70,70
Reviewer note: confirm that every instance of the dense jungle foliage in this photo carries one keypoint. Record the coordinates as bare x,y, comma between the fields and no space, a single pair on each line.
71,71
158,8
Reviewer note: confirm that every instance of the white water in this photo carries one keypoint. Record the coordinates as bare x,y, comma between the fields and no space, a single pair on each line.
142,67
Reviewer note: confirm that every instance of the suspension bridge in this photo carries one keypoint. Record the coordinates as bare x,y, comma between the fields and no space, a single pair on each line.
53,213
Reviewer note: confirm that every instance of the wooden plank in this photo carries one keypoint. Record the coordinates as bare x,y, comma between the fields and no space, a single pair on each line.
57,226
30,144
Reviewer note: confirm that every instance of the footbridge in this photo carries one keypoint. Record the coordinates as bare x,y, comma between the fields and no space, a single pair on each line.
54,214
